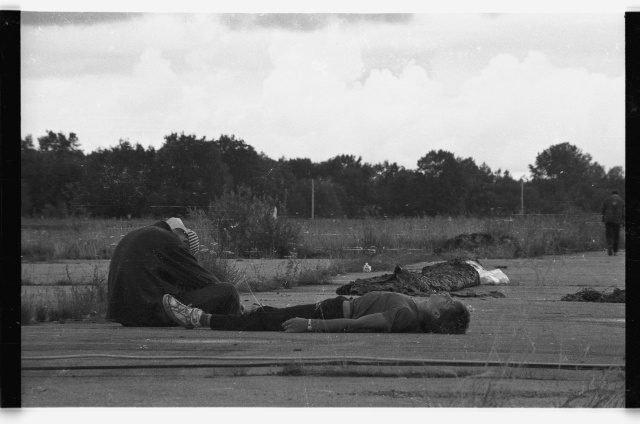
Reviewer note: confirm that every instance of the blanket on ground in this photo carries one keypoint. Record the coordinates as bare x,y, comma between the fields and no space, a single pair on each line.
449,276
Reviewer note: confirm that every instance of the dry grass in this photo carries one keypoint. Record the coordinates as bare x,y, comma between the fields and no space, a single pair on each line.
73,298
537,235
53,239
72,238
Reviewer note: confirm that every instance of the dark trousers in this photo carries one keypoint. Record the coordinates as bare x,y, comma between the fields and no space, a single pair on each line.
219,298
267,318
612,231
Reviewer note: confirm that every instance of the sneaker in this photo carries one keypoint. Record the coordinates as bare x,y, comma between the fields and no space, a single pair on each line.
182,314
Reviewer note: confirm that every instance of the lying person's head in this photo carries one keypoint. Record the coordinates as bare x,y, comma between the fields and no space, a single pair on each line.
445,315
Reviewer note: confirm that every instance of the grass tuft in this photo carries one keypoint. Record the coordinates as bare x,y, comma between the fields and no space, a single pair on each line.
79,302
27,311
71,299
606,392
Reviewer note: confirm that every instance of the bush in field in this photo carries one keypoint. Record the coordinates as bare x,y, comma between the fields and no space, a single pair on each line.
222,269
41,313
244,223
374,235
37,252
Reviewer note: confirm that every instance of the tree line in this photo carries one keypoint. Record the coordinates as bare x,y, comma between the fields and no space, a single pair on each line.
188,172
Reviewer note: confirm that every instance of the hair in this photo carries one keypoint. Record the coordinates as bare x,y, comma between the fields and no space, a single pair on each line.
453,320
614,191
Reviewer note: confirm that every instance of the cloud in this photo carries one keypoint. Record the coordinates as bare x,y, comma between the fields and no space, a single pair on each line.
515,109
306,22
498,89
73,18
504,116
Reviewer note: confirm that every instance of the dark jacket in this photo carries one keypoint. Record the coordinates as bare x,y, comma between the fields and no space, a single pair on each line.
147,263
613,210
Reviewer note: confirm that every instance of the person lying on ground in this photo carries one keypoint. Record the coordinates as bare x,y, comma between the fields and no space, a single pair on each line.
155,260
374,311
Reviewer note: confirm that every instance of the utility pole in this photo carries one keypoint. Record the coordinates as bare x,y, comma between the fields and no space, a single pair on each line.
521,197
313,200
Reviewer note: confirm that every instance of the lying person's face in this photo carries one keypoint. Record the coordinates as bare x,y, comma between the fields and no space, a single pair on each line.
440,301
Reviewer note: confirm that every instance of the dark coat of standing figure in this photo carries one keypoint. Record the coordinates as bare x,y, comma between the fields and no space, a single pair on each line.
613,218
155,260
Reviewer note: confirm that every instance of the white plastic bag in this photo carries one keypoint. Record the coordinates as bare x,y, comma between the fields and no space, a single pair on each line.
489,277
493,277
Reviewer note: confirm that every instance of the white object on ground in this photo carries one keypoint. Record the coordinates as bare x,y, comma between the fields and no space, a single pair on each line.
495,276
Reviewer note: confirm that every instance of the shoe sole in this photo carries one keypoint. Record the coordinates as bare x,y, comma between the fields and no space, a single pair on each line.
167,309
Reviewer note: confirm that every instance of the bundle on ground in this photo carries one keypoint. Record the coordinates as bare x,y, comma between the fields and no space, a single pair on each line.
446,276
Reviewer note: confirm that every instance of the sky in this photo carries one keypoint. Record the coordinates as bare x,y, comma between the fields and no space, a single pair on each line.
497,87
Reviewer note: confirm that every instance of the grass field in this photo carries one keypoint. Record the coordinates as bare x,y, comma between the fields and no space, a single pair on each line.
83,238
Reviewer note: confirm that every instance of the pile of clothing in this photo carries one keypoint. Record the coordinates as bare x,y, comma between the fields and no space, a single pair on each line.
591,295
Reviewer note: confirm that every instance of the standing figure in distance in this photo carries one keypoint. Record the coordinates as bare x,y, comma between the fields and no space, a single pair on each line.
613,218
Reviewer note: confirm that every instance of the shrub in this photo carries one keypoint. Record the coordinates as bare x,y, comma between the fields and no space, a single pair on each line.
244,224
318,276
374,235
41,313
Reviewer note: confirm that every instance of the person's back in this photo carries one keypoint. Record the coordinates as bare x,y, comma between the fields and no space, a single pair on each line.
148,263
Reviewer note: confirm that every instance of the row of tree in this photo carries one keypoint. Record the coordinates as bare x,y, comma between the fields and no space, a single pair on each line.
191,172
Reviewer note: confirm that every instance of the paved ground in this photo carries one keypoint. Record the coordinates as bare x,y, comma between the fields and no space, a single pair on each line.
507,337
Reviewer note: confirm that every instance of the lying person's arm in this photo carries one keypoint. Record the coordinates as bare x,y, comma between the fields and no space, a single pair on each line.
375,322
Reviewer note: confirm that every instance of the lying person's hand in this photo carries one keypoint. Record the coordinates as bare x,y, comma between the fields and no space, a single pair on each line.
295,325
